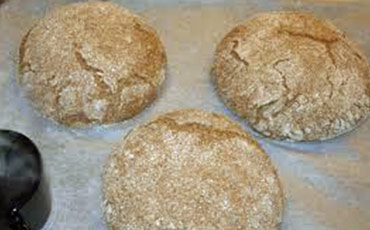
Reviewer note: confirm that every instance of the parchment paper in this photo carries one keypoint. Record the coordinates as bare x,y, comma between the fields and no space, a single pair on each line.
326,184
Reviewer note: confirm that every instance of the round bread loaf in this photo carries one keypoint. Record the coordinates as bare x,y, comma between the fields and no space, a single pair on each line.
191,169
93,62
293,76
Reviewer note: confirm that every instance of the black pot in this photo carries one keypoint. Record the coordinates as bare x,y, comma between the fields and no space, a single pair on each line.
24,192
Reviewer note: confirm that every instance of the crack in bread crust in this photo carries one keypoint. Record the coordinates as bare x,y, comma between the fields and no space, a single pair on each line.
235,54
274,66
327,42
194,127
24,66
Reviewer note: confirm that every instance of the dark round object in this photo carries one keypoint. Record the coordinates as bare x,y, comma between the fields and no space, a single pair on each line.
24,192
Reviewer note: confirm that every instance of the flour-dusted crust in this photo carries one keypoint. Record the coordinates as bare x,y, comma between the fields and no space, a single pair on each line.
191,169
293,76
90,63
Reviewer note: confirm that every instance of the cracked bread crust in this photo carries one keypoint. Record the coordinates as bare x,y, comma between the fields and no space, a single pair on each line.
293,76
190,169
87,63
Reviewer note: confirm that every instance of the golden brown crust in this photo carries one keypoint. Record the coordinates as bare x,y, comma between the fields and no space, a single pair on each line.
293,76
91,63
191,169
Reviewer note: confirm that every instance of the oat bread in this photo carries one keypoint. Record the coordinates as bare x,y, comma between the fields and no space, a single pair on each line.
190,169
87,63
293,76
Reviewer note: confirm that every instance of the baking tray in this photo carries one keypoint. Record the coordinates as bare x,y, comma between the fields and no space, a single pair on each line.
326,184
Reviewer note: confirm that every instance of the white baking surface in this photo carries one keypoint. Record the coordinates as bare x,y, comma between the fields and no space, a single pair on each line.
327,184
